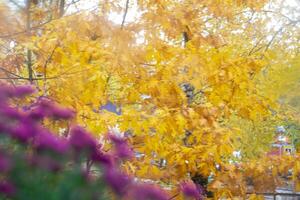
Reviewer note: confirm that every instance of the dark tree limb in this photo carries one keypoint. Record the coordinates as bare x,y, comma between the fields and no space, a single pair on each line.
29,52
125,14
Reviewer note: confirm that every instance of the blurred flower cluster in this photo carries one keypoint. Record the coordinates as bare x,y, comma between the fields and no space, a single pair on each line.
37,164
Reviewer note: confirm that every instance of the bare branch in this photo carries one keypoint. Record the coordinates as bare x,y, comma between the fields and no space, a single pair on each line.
125,14
16,4
45,66
9,72
254,49
24,31
42,24
280,14
273,38
29,52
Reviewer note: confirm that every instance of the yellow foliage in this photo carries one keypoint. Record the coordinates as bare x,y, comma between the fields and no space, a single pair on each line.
85,61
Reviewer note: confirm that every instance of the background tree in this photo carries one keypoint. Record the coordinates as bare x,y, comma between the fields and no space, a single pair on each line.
193,80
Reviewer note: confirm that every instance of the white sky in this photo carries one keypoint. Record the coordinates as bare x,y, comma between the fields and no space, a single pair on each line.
133,13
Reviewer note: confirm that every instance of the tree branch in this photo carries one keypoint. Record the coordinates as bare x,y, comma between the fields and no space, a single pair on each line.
29,52
16,4
46,64
9,72
280,14
125,14
61,8
42,24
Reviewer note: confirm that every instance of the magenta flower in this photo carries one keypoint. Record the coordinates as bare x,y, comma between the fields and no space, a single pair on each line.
18,92
46,108
23,131
118,181
149,192
37,113
10,112
22,91
104,159
7,188
122,150
47,141
189,189
61,113
115,138
5,93
81,140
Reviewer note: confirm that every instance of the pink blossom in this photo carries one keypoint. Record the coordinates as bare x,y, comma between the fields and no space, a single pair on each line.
47,141
81,140
189,189
148,192
7,188
118,181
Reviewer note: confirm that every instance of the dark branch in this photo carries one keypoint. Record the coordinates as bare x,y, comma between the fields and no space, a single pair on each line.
9,72
125,14
42,24
280,14
16,4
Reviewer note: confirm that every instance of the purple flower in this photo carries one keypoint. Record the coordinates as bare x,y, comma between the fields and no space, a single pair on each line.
81,140
46,108
24,90
47,141
149,192
123,151
10,112
7,188
24,130
104,159
5,92
37,113
61,113
115,138
19,92
118,181
190,189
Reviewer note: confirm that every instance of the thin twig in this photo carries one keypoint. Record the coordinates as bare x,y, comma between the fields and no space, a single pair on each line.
273,38
16,4
25,78
278,13
253,50
24,31
43,24
28,31
125,14
45,66
9,72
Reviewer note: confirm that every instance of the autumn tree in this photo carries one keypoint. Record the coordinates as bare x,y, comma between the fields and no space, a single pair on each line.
192,80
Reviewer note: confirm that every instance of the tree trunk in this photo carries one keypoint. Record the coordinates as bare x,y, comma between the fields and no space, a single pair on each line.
29,53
